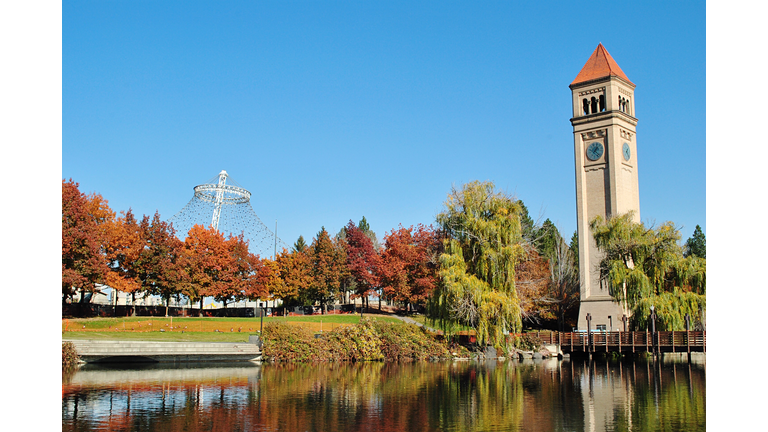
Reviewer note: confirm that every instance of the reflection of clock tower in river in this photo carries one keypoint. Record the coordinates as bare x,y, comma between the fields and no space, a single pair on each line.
605,147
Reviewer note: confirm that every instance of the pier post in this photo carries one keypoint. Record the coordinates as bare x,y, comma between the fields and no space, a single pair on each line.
589,335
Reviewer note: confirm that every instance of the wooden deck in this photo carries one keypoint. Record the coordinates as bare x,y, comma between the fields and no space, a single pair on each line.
627,342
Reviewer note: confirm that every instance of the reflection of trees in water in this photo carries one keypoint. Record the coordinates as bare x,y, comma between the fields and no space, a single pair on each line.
461,396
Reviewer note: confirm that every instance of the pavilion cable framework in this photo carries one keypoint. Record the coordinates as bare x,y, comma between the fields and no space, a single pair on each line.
227,208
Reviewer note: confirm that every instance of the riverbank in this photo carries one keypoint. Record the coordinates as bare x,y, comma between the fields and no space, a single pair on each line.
370,340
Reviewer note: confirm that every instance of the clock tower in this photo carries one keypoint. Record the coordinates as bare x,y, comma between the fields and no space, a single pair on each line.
605,150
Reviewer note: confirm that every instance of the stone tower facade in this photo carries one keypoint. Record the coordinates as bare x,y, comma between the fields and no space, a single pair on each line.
605,150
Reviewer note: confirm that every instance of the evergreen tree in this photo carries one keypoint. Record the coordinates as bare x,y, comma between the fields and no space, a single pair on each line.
300,245
696,245
574,247
547,239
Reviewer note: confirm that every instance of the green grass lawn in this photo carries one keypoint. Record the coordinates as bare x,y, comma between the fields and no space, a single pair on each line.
421,319
193,329
158,336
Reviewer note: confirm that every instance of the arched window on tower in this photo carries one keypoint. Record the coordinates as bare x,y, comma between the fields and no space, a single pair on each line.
602,103
594,105
585,106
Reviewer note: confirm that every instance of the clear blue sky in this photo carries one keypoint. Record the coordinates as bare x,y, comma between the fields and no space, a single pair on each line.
330,111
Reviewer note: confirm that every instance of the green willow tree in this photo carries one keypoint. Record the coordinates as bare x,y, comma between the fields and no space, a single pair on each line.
646,267
483,242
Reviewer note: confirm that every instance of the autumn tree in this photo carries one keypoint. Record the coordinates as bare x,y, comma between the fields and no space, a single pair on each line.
161,262
295,276
83,263
532,283
123,245
408,270
482,246
645,267
249,276
362,262
328,266
207,261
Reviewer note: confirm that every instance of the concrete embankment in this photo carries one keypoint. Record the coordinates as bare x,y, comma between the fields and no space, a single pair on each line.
138,351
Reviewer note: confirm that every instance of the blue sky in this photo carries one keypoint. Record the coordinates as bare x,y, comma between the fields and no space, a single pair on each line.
330,111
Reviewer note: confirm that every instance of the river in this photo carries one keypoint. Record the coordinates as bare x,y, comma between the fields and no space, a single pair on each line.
529,395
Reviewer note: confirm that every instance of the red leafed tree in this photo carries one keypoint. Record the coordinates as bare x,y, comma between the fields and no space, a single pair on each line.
207,260
161,260
532,281
249,276
362,262
83,263
408,267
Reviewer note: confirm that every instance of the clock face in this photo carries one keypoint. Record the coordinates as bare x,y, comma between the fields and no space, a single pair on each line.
594,151
627,153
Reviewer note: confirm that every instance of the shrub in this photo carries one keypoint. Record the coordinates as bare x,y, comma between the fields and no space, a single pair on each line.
69,357
528,342
370,340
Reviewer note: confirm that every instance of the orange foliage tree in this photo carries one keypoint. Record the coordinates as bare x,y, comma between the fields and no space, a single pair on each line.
328,268
295,277
207,261
533,283
123,243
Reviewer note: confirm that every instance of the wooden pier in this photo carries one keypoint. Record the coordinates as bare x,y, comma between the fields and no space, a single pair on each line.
627,342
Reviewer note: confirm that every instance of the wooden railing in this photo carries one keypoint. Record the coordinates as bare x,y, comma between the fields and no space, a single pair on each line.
619,341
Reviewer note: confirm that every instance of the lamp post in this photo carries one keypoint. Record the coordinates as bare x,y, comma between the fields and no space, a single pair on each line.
624,318
261,313
653,329
589,333
610,323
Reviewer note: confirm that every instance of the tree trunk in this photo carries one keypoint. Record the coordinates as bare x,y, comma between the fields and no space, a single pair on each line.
167,301
133,303
201,307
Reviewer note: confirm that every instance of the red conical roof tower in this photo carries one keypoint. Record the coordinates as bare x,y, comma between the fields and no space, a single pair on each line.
600,65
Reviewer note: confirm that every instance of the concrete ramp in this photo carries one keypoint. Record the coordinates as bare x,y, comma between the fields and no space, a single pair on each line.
145,351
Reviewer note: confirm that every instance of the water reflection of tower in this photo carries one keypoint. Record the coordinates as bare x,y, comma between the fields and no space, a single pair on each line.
605,392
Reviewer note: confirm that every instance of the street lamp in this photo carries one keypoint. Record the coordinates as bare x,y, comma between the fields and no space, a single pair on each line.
610,323
589,332
261,313
653,328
